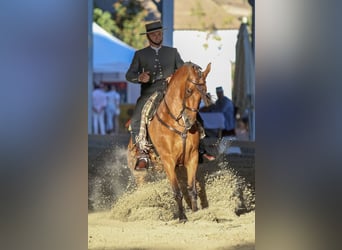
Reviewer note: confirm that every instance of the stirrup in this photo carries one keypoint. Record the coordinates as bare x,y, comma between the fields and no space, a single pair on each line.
142,163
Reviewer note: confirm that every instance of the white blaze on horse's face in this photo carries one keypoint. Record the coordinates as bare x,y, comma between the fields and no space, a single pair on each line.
187,121
195,91
192,101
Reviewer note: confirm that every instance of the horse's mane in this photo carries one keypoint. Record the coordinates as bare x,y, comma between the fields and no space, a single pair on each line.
193,65
185,66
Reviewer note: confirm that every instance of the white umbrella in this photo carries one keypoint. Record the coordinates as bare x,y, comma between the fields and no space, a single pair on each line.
243,94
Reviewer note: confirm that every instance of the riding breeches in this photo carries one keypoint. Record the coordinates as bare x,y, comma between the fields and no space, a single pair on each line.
136,117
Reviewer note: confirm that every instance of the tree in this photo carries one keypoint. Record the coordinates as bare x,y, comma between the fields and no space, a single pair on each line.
126,22
128,16
104,20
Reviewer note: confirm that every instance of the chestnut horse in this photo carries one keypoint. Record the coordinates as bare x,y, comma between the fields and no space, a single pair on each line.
174,130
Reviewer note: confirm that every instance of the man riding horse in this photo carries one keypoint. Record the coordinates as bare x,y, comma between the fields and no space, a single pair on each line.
150,67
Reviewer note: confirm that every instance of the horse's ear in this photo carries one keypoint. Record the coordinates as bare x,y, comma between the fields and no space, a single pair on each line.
206,71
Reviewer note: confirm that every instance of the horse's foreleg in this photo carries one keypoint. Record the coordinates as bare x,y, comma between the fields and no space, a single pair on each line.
191,185
179,199
193,195
177,194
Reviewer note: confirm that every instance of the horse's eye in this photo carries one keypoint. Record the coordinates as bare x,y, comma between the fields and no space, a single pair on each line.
188,91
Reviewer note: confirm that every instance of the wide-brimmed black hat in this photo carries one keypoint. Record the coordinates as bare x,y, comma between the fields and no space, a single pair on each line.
153,26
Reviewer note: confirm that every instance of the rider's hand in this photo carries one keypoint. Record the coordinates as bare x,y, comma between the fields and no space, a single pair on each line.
144,77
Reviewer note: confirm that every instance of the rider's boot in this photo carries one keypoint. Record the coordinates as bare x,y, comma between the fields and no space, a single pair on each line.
142,162
201,130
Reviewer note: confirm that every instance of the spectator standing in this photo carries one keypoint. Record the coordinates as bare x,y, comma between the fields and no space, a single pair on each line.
99,98
112,110
242,129
225,105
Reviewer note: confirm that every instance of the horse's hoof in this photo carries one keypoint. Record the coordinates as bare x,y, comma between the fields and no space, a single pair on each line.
194,209
239,211
183,218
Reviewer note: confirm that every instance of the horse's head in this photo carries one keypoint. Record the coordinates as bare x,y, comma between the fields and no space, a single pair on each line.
186,88
195,90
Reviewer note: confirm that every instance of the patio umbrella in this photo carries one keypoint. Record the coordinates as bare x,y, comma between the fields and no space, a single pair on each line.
243,92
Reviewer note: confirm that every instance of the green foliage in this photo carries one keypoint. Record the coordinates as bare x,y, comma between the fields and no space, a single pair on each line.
130,16
104,19
198,11
126,22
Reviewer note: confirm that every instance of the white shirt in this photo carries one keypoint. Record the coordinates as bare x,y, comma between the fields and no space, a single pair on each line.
156,49
99,99
113,99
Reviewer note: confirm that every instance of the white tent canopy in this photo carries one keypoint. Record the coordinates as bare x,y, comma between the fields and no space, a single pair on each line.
111,60
110,55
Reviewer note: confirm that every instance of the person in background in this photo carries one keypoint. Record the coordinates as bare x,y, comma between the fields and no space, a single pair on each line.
99,99
241,129
225,105
150,68
112,110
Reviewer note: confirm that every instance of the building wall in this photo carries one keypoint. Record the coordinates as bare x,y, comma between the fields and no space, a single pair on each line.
221,54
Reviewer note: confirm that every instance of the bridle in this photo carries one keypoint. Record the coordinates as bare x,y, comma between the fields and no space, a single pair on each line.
200,86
